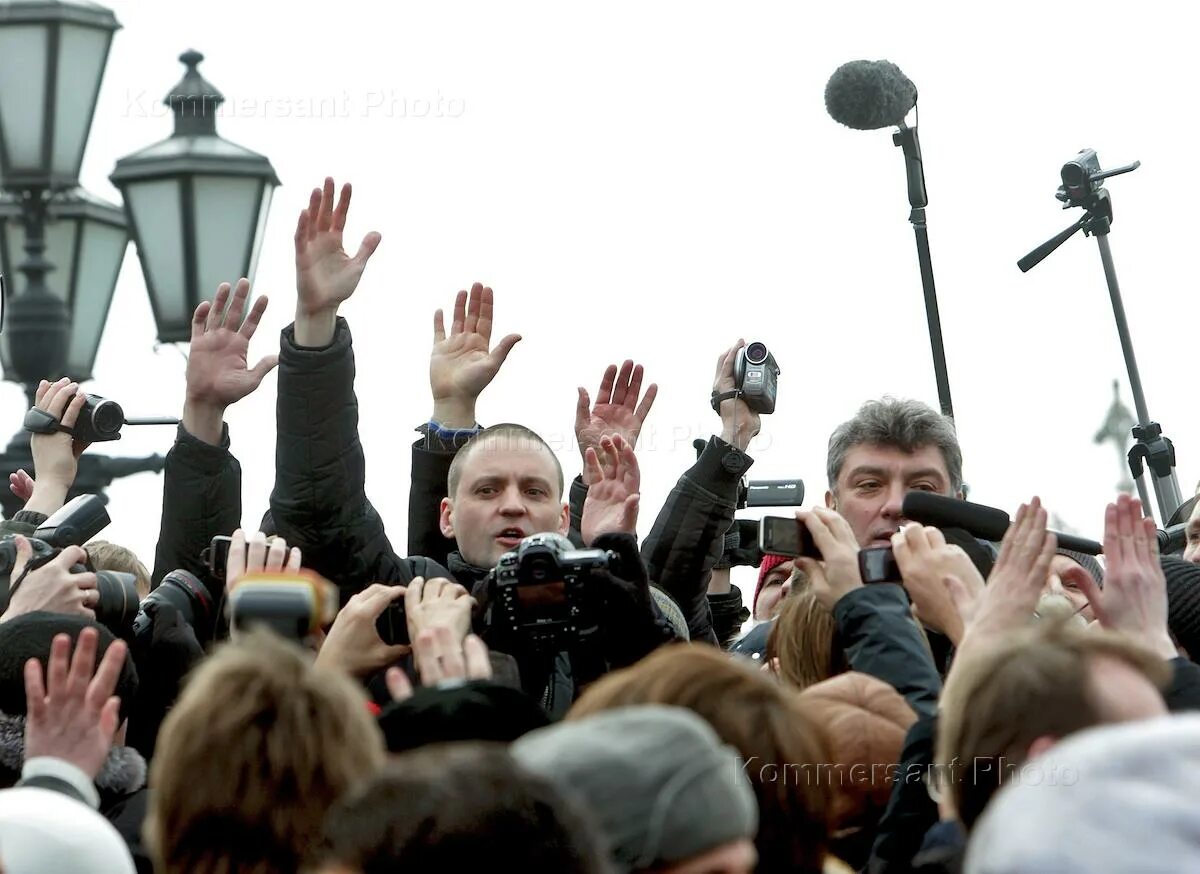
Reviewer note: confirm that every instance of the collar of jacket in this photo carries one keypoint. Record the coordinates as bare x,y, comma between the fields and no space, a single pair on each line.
124,770
468,575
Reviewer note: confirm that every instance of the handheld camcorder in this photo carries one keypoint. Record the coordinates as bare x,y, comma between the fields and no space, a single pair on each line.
99,421
788,536
545,593
294,604
756,376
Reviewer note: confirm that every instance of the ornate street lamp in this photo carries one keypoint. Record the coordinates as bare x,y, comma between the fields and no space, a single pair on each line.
197,205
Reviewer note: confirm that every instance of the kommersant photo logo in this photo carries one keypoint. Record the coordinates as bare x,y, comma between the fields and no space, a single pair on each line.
382,103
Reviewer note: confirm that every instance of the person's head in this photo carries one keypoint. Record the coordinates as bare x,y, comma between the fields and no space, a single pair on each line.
774,583
1015,700
668,796
890,447
43,831
805,640
1114,799
107,556
460,807
1191,552
761,719
255,750
1064,595
505,484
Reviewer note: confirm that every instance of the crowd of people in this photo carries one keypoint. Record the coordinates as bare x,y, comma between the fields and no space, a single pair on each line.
525,684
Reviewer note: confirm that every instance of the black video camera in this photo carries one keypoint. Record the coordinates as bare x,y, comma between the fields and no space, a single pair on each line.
544,594
756,377
99,421
789,537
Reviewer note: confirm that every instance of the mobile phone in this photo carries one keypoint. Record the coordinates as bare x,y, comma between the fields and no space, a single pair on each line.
786,535
878,565
392,624
217,555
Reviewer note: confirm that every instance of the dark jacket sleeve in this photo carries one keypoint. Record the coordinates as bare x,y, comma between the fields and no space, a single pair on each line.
728,615
1183,693
319,502
689,533
910,812
431,458
202,497
881,638
578,495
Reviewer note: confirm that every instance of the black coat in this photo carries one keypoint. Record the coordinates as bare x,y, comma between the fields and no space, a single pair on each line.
319,502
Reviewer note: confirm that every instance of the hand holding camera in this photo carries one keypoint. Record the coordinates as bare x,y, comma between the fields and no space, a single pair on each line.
54,586
353,643
837,574
740,422
56,452
442,660
437,603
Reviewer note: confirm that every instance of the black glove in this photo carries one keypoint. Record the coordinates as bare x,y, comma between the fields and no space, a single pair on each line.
631,624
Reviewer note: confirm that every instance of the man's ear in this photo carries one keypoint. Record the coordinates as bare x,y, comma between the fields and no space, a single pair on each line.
564,520
446,518
830,500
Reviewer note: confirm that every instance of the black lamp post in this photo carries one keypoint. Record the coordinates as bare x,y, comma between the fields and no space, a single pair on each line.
197,205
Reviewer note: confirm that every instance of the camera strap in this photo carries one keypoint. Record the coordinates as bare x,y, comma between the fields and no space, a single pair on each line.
38,421
718,397
33,564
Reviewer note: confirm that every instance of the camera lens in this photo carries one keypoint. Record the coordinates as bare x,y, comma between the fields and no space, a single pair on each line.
756,353
107,418
188,595
118,604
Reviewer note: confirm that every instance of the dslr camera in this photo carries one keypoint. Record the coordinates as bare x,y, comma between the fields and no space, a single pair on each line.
545,595
756,377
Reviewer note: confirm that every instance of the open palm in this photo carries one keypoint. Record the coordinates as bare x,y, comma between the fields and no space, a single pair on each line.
461,365
217,371
325,274
616,411
614,494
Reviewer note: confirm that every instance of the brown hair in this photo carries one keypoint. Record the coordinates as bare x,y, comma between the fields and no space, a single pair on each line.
107,556
256,749
782,748
1035,683
805,640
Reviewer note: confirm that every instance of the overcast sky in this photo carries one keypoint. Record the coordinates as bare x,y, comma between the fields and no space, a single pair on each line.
654,180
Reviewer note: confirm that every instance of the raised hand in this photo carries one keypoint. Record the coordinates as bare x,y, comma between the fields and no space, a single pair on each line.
1134,597
72,715
437,603
325,274
614,494
463,364
55,456
739,424
616,411
217,371
254,554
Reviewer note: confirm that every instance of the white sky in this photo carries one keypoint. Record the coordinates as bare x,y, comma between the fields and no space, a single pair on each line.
653,180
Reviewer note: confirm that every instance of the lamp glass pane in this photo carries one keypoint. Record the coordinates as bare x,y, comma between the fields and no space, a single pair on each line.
82,52
100,256
158,224
23,97
60,251
260,228
227,209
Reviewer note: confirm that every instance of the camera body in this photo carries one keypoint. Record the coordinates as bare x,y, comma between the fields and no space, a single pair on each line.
545,594
756,376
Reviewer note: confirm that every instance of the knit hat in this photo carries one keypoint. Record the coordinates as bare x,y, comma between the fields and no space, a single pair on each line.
865,720
1183,602
47,832
1128,793
30,635
657,779
769,563
1088,562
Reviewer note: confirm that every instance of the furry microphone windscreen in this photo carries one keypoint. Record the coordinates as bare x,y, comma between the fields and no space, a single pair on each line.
867,95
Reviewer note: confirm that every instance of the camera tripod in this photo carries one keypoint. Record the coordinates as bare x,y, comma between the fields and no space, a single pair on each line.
1081,178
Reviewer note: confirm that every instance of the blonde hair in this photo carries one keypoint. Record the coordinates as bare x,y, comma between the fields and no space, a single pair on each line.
254,752
107,556
805,640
